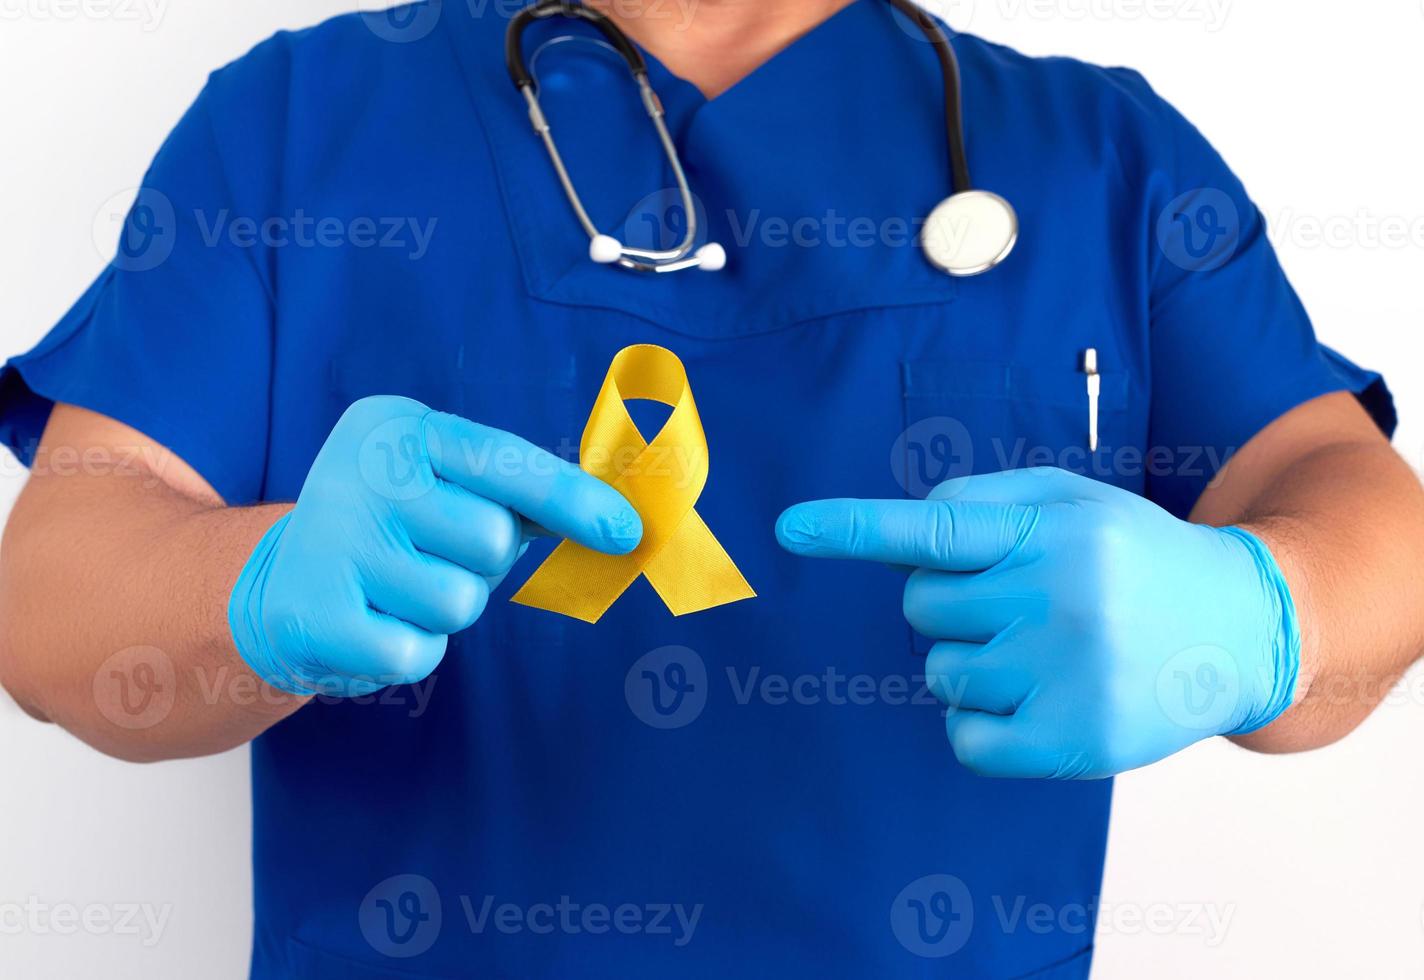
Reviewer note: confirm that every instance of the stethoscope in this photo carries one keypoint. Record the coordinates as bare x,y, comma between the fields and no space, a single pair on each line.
967,233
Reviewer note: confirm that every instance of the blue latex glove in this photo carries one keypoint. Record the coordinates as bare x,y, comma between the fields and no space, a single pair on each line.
407,520
1083,631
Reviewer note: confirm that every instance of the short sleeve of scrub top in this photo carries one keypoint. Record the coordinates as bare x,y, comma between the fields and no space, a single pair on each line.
1232,347
174,338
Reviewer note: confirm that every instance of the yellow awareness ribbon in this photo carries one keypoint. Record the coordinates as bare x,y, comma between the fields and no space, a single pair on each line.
662,480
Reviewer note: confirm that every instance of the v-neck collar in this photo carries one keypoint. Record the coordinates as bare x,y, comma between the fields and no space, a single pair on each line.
822,132
663,77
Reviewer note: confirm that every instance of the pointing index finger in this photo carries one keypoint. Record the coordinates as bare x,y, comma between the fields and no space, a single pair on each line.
948,535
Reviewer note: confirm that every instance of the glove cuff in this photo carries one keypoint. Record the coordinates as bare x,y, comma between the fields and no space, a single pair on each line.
244,617
1282,671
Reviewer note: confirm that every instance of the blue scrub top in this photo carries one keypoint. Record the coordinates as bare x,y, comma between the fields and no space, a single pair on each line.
764,789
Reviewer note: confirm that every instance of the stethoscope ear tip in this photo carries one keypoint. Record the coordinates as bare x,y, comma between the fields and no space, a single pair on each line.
605,249
711,257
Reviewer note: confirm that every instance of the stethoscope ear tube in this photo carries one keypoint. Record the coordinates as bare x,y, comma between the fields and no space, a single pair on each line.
514,37
605,249
953,108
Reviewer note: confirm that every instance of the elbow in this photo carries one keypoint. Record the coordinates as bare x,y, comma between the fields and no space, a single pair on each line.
135,752
1289,741
14,679
16,675
16,669
16,666
1319,720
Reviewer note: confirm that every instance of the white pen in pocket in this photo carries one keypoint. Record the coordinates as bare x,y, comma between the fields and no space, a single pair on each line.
1095,384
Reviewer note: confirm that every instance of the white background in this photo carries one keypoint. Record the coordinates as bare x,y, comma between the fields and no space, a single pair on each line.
1315,859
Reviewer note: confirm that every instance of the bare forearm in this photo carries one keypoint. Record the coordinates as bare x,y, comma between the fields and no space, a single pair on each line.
113,592
1346,524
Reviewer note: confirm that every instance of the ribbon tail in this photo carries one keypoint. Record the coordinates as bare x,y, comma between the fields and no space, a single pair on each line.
693,571
578,582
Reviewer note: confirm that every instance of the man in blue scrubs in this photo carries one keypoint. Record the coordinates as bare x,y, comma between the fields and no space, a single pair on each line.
352,255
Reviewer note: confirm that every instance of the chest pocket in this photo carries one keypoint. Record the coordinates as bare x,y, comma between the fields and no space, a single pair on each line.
539,402
964,417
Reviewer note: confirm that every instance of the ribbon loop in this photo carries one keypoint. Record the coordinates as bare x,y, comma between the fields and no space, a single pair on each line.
663,479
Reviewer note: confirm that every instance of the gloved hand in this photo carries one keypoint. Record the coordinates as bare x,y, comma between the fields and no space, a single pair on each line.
1083,631
407,520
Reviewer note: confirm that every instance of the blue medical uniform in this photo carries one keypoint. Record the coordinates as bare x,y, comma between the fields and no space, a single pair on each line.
763,789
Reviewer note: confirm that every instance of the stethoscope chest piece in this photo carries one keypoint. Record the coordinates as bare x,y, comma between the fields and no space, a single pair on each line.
970,232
